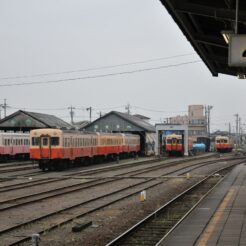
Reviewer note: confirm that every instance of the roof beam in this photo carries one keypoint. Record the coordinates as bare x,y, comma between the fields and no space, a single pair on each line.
218,59
184,25
210,40
208,11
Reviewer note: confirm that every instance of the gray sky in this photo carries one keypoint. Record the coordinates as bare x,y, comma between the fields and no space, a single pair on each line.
52,36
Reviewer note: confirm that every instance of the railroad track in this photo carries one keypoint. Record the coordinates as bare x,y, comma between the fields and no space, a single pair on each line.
153,229
14,163
59,218
19,201
18,168
75,187
73,173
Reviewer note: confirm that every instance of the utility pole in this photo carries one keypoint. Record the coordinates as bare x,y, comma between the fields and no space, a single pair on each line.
89,109
206,117
239,131
4,106
100,114
237,121
128,106
209,107
229,128
71,113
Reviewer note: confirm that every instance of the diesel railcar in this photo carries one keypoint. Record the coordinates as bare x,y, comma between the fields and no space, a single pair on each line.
174,144
14,146
223,144
57,149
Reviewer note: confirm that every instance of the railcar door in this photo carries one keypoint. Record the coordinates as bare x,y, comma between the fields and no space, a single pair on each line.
45,147
71,147
11,146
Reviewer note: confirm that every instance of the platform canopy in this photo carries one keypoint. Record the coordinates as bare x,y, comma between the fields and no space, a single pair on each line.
202,22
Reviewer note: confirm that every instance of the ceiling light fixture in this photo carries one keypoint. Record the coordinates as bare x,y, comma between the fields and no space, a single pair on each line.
226,35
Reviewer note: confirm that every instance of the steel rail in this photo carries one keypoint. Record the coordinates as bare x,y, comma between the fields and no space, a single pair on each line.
108,168
77,187
120,239
74,206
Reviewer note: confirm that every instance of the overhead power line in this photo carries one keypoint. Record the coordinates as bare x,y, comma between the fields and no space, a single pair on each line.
19,108
94,68
100,75
158,111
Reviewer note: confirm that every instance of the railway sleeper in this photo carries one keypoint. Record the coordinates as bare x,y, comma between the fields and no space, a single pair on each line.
141,241
81,226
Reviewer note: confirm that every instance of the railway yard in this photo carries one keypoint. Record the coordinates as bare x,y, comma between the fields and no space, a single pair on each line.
111,131
95,204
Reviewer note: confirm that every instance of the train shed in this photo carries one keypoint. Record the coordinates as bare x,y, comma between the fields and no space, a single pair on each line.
166,129
125,123
25,121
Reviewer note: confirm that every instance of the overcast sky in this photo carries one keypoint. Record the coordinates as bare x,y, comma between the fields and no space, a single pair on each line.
43,37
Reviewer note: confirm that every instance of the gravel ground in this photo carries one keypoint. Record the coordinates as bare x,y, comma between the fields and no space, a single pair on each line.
116,218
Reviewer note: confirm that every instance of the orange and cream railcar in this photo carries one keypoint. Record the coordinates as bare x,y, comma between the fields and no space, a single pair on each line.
174,144
57,149
14,145
223,144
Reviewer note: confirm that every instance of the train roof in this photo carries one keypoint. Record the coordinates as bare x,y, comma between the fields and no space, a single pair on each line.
64,131
174,135
14,134
221,137
80,132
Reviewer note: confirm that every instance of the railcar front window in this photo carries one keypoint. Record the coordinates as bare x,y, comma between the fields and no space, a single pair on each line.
54,141
45,141
35,141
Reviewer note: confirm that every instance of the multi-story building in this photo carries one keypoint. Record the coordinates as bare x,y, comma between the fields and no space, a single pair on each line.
196,121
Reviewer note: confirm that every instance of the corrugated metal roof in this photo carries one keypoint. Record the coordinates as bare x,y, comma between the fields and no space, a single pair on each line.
23,120
137,121
145,126
49,120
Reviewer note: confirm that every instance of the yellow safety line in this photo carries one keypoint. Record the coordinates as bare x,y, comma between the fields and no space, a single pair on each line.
215,219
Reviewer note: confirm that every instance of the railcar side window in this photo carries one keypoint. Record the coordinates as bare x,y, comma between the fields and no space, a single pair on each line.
54,141
35,141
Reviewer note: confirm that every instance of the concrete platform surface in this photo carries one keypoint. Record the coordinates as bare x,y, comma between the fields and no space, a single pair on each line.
220,219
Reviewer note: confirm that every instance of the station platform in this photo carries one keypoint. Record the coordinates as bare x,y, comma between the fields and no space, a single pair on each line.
220,219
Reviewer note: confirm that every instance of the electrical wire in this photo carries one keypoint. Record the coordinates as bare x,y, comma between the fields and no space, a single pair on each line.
19,108
99,76
95,68
158,111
